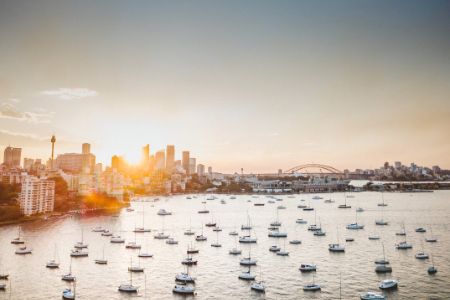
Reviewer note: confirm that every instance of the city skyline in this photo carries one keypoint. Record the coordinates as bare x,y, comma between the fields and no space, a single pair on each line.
260,87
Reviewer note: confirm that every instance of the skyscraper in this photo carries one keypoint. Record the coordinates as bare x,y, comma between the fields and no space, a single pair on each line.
200,170
11,156
185,161
170,157
160,160
145,154
192,165
85,148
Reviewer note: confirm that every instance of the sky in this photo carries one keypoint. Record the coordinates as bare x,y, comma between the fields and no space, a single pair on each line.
258,85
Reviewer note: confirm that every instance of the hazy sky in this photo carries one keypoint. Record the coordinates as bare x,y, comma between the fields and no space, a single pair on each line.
255,84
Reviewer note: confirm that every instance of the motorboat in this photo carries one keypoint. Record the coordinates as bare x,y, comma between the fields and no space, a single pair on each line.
128,288
101,261
68,294
135,269
184,277
24,250
422,255
98,229
319,232
200,238
312,287
133,245
171,241
78,253
336,248
117,239
421,230
403,245
235,251
349,239
258,287
308,208
189,232
106,233
277,234
432,270
234,232
344,206
372,296
183,289
163,212
141,230
295,242
52,264
68,277
283,253
355,226
383,268
247,239
145,255
274,248
374,237
388,284
381,222
217,229
307,268
161,236
301,221
211,224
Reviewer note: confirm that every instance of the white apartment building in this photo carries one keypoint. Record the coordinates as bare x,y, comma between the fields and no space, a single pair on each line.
37,195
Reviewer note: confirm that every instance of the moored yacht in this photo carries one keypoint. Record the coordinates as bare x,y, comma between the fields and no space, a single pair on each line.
388,284
403,245
307,268
336,248
183,289
23,250
184,277
372,296
247,275
258,287
163,212
78,253
117,239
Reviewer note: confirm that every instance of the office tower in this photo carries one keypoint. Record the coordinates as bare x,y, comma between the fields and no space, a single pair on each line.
160,160
185,161
37,195
210,170
11,156
170,158
115,162
192,165
200,170
28,164
145,155
53,140
85,148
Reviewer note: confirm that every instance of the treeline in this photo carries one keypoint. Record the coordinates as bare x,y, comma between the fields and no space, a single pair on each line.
9,206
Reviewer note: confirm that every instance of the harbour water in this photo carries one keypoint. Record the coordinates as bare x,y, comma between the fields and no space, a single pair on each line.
217,271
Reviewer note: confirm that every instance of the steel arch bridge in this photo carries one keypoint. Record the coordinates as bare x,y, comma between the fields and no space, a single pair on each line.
320,167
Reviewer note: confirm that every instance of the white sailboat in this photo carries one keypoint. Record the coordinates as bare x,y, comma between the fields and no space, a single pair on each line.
18,240
336,247
102,261
53,263
142,229
128,287
81,244
69,276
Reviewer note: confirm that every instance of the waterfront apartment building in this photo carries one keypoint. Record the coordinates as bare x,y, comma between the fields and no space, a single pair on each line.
11,156
37,195
185,161
76,162
170,158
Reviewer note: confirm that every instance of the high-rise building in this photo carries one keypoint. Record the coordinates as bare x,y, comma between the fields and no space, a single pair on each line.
209,170
85,148
88,158
145,154
185,161
170,157
28,164
160,160
117,163
37,195
11,156
200,170
192,165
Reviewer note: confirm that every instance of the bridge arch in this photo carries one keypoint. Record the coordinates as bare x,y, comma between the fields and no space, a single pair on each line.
327,168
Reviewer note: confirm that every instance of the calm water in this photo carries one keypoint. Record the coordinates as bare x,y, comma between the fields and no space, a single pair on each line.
217,271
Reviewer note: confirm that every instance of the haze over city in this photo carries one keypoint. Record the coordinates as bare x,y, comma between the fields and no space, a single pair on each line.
258,85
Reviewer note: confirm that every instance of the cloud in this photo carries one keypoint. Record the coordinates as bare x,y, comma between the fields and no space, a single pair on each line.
70,93
10,111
